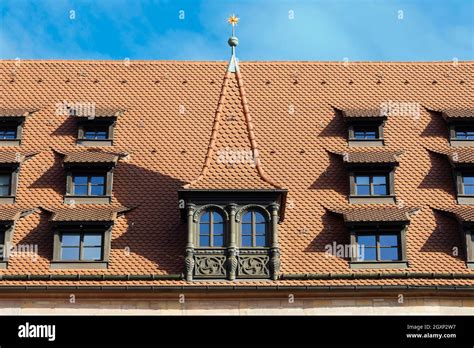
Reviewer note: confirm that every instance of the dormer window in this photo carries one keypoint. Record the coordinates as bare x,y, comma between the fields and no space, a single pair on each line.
365,127
461,126
371,176
89,177
11,130
377,236
97,127
96,132
82,236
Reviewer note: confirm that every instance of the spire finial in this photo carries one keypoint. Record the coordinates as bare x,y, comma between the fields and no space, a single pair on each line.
233,42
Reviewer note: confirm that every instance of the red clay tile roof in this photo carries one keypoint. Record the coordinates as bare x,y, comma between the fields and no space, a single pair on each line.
376,214
462,214
171,111
103,112
89,213
356,113
232,160
370,156
456,155
8,157
16,112
10,213
458,113
91,157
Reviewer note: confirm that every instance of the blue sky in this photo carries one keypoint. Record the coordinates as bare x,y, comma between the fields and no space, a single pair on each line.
376,30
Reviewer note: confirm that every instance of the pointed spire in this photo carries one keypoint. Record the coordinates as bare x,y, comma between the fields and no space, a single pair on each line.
232,160
233,42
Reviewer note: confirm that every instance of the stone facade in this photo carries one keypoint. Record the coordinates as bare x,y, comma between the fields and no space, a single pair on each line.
412,305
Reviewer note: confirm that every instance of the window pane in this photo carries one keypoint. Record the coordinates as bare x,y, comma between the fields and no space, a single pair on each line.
260,229
366,240
95,133
70,253
380,190
259,217
97,190
5,179
97,180
247,217
246,229
217,217
205,217
218,229
4,190
379,180
362,180
362,190
80,180
92,253
80,190
260,241
204,228
8,133
246,241
70,240
370,135
92,239
368,254
218,241
101,135
204,241
365,132
388,240
464,133
468,180
389,254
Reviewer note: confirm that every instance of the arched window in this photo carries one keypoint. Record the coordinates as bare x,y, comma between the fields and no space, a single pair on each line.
211,229
254,229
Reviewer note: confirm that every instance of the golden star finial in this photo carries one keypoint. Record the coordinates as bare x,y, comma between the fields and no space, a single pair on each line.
233,20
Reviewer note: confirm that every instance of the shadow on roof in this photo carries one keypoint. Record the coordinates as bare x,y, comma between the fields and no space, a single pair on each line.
333,231
155,230
445,237
439,176
334,177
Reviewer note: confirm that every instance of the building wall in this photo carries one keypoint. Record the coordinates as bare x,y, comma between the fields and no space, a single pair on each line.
420,305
